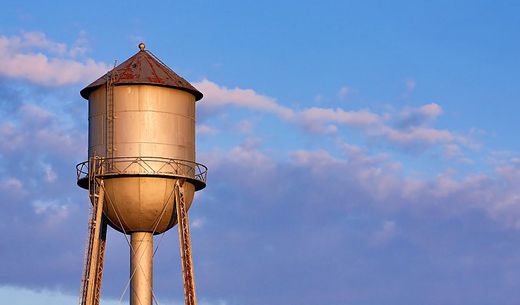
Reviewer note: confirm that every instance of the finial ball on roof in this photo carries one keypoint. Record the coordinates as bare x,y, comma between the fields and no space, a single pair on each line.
141,46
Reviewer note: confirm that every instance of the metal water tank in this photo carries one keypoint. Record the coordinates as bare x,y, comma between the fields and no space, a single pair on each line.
142,133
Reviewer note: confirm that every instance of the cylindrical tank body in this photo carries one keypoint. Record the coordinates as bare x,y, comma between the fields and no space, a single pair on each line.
137,126
149,121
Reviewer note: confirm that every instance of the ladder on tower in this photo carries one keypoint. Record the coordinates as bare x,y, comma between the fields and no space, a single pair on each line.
110,116
93,261
185,244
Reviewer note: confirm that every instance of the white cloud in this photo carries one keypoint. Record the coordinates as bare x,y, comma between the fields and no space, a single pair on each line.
41,206
34,112
338,115
417,135
248,154
431,110
33,128
33,57
428,111
219,96
381,181
244,126
203,129
50,175
384,234
35,40
11,184
322,120
313,159
198,223
319,98
408,128
419,116
410,85
23,296
80,46
452,150
343,92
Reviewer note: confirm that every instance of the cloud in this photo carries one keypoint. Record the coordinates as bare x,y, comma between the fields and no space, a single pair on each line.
220,96
248,153
80,46
452,150
415,136
40,202
203,130
316,115
317,203
33,112
410,85
319,98
198,223
49,173
384,234
33,40
343,92
314,203
382,181
11,184
56,211
36,129
412,117
33,57
20,296
410,128
244,126
313,159
431,110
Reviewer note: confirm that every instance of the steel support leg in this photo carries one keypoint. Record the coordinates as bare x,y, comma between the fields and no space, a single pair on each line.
91,282
185,245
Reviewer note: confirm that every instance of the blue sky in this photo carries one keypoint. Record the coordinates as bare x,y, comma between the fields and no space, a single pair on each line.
360,153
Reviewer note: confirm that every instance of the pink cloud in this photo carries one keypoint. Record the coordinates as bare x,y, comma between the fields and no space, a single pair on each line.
203,130
220,96
343,92
338,115
408,128
417,135
384,234
431,110
35,128
326,120
34,112
313,159
12,184
33,57
410,85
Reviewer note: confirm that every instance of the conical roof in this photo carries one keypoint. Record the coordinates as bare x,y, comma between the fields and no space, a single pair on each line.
143,68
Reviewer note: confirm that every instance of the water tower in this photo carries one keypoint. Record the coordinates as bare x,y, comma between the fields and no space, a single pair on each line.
141,173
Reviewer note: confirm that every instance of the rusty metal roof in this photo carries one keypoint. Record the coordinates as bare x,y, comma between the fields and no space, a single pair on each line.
143,68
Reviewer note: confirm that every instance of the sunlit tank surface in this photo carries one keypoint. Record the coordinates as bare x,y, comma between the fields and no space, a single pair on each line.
145,120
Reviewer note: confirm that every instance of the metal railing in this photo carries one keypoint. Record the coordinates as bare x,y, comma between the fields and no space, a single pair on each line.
153,166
